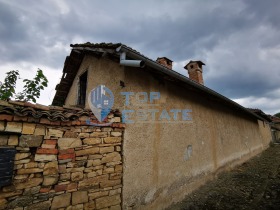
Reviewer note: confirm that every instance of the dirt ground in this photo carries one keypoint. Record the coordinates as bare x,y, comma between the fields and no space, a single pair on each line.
252,185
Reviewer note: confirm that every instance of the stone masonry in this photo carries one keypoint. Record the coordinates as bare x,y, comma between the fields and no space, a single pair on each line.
65,165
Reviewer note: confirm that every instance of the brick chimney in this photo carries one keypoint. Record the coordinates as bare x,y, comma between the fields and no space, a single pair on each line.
165,61
195,71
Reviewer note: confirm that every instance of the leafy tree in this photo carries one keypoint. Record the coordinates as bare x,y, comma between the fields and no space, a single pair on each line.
31,90
7,89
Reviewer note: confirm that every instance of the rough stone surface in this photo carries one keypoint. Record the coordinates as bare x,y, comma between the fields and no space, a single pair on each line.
108,201
40,130
30,141
13,140
28,128
50,180
112,140
61,201
45,158
89,151
3,140
45,205
55,133
32,182
20,156
66,143
2,125
51,168
14,127
79,197
20,202
92,141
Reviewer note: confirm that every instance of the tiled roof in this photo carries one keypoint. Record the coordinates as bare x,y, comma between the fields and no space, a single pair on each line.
38,111
260,113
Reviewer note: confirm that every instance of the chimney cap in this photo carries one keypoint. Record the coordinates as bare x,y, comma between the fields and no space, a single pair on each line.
164,58
200,63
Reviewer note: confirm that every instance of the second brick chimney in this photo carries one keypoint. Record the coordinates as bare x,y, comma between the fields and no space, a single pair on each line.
194,69
165,61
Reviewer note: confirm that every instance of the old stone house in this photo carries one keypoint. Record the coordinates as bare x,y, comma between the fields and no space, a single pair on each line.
165,135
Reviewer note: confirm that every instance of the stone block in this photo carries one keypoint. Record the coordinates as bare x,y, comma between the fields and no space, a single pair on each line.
77,176
89,206
106,129
23,176
106,149
32,190
45,158
76,207
66,151
108,170
13,140
70,134
50,141
93,196
3,203
117,207
40,130
83,135
89,151
28,128
88,183
92,141
66,143
31,165
112,140
79,197
72,186
116,191
10,194
47,151
61,201
30,141
22,155
55,133
4,140
116,134
115,176
48,146
2,125
64,177
51,168
50,180
60,187
6,117
45,205
66,156
29,170
20,202
111,157
108,201
99,134
14,127
18,162
110,183
29,183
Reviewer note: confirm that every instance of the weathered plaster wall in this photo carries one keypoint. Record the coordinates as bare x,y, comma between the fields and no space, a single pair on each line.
62,165
158,170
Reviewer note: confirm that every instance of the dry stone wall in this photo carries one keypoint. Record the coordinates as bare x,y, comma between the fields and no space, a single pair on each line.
62,165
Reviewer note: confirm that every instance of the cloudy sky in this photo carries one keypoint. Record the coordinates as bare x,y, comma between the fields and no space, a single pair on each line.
238,40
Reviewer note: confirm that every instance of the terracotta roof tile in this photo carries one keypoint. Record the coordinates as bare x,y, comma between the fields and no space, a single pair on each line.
52,113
